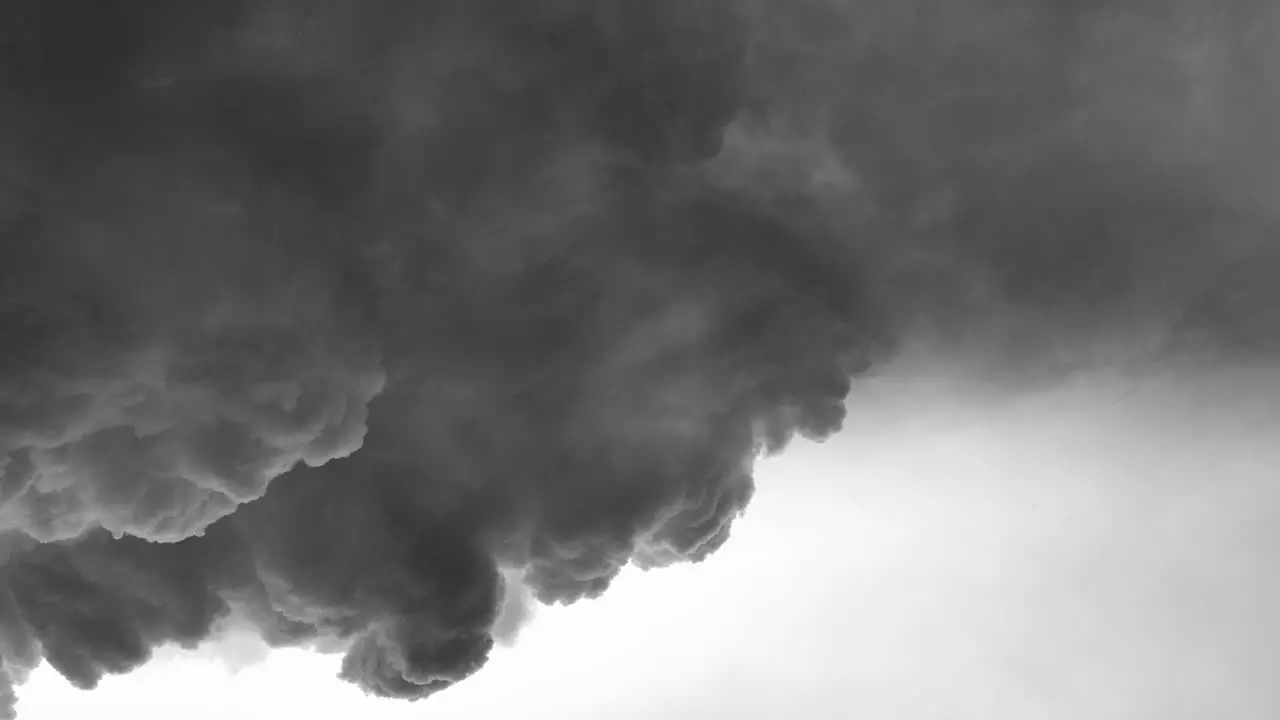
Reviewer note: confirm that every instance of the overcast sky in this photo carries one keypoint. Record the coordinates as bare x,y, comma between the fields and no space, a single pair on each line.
1102,550
316,316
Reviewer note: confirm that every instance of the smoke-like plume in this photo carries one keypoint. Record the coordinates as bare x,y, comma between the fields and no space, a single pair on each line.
332,318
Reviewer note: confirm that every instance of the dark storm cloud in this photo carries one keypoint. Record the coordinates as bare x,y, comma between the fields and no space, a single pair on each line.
333,318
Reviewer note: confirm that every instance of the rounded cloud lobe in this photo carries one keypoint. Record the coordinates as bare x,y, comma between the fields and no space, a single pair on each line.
355,323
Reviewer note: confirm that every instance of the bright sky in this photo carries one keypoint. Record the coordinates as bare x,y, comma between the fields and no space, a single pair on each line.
1105,551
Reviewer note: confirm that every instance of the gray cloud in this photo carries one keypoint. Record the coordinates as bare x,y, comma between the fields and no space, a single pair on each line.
319,317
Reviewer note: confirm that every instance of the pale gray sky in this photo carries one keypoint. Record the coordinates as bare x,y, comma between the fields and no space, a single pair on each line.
1104,550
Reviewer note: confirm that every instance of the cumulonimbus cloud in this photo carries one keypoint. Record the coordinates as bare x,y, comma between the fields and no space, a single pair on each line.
334,318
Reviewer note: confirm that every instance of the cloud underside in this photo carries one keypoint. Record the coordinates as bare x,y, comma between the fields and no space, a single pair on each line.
358,323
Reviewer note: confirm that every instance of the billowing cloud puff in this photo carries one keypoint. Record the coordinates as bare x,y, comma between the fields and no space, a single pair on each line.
359,324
